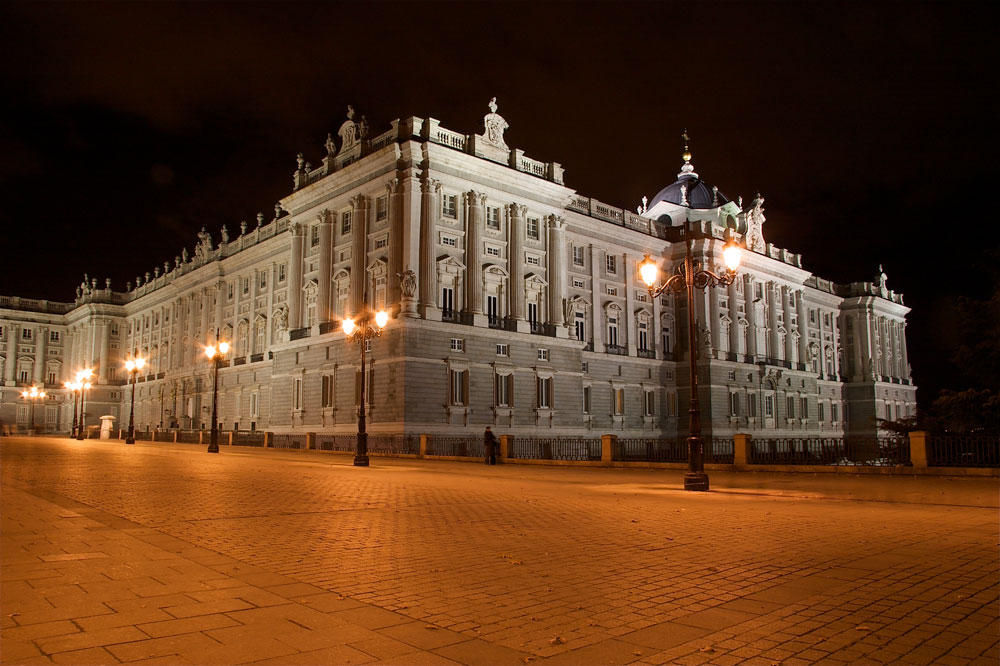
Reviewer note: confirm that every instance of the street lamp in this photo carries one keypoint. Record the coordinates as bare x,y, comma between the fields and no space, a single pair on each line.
82,378
31,395
133,367
73,387
362,331
215,355
687,278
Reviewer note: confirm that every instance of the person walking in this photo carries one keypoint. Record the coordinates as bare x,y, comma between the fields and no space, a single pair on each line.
490,447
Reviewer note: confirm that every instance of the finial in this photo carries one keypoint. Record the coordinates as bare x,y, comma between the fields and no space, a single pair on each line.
300,158
715,196
243,228
688,168
350,112
260,219
684,195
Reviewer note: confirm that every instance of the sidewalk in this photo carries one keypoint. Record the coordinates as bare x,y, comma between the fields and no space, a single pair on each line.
165,554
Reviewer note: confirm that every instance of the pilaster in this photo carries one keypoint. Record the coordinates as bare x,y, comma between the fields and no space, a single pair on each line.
325,223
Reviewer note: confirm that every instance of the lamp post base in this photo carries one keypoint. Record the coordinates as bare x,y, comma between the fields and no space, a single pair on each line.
361,461
129,440
697,481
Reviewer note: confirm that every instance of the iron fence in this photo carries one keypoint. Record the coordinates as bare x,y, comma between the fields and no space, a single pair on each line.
470,446
650,449
248,437
288,441
191,436
875,451
393,444
963,450
336,442
554,448
144,435
719,450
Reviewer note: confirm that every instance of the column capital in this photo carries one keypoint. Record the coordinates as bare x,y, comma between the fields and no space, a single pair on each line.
517,210
430,185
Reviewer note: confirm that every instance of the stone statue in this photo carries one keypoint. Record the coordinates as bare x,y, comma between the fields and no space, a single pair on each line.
755,223
184,255
408,282
495,125
225,234
363,129
882,289
569,308
300,159
331,145
260,219
348,131
281,319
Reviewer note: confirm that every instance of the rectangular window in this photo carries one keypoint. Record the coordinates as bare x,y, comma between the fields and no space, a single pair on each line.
533,260
492,306
649,403
314,236
493,217
671,404
492,251
618,401
263,281
25,333
254,400
533,313
231,291
51,379
53,336
457,345
612,264
459,394
805,408
579,283
768,405
450,241
812,316
580,325
578,254
503,390
544,388
734,404
502,350
532,228
381,242
791,407
381,208
297,394
345,223
447,299
820,412
281,272
643,336
613,331
246,285
449,205
758,290
586,400
543,354
612,291
833,412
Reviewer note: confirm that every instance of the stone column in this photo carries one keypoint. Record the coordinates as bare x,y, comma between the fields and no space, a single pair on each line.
206,314
515,260
40,355
325,223
220,309
752,323
474,203
628,272
178,333
773,295
272,279
359,254
804,327
734,318
393,291
555,270
410,237
597,308
295,277
713,321
10,368
902,348
429,210
102,373
656,329
193,320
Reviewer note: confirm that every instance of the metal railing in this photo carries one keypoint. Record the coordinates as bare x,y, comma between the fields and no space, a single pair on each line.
248,437
963,450
192,436
650,449
393,444
554,448
299,333
874,451
288,441
538,328
336,442
470,446
616,349
719,450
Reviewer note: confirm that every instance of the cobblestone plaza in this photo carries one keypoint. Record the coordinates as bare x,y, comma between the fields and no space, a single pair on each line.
160,553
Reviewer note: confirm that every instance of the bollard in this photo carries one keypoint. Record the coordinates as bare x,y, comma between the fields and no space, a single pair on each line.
504,447
918,449
310,441
608,443
269,439
231,433
741,449
425,445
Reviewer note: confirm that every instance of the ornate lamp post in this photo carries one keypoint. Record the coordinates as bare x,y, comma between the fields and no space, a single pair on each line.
133,367
31,395
362,331
688,278
73,387
215,355
82,378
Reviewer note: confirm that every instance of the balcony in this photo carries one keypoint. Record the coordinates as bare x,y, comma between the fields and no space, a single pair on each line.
254,358
456,317
298,333
616,349
589,346
328,327
501,323
646,353
240,360
538,328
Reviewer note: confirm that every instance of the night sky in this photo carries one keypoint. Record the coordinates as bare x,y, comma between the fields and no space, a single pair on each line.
125,128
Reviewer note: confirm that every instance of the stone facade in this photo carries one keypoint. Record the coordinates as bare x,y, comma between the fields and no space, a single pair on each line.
516,302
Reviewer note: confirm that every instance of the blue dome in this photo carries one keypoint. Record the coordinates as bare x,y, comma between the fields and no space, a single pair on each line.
699,194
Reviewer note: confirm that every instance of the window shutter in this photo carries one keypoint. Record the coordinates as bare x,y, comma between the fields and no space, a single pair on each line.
465,387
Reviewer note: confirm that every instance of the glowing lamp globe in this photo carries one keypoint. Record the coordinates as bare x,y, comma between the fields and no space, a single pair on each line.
649,271
348,326
381,318
732,254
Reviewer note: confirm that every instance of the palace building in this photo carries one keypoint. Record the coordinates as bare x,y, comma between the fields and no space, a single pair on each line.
515,300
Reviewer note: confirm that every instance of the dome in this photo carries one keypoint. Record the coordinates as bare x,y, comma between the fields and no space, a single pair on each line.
699,194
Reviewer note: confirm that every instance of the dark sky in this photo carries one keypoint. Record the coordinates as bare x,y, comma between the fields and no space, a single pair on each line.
869,128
